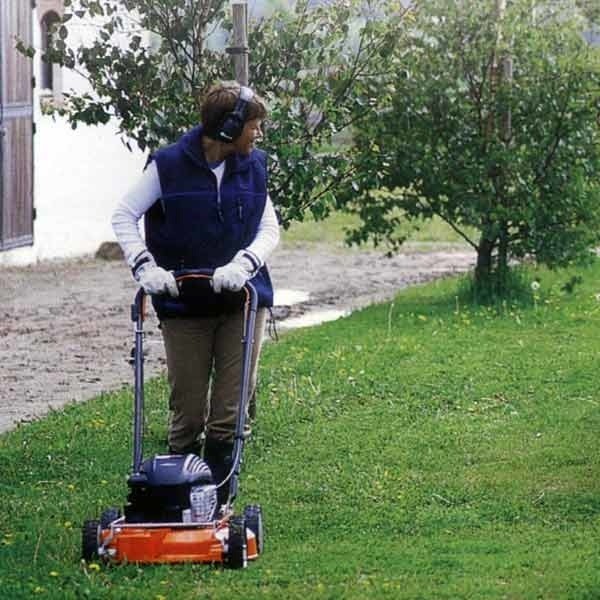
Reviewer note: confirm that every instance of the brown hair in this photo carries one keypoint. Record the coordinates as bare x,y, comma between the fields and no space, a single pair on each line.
220,100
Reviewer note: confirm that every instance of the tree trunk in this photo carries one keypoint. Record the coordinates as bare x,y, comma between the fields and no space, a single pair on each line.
502,275
483,268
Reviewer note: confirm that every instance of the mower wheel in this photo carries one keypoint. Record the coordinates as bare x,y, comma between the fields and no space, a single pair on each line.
254,522
237,553
89,539
108,516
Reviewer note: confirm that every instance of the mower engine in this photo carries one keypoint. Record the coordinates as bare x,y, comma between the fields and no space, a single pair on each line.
171,488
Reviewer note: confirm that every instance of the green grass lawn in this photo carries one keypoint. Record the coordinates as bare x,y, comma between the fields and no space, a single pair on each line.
332,231
423,449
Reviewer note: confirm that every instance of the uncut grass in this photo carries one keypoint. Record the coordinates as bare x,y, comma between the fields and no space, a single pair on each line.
423,449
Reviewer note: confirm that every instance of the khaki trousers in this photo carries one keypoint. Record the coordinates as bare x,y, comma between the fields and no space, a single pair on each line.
204,362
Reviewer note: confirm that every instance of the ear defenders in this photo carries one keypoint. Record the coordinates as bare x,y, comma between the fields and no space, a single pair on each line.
233,122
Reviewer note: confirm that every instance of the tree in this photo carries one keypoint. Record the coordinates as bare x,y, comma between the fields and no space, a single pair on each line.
442,147
321,68
317,68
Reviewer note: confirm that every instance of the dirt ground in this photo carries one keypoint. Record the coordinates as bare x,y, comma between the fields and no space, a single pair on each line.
66,334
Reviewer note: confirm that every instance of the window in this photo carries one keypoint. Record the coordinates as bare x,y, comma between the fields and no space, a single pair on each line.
48,71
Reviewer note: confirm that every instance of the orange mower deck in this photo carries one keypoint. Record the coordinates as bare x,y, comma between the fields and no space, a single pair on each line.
170,543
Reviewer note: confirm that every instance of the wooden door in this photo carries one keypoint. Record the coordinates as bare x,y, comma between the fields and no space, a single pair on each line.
16,126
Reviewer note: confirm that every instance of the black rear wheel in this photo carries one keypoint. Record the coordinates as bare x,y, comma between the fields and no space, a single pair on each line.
237,552
89,539
108,516
254,522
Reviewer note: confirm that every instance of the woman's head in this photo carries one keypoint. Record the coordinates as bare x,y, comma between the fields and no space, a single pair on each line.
228,108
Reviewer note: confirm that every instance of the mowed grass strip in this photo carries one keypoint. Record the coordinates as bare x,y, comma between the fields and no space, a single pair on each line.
426,448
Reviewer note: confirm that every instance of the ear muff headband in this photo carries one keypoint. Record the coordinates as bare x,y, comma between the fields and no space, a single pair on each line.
233,122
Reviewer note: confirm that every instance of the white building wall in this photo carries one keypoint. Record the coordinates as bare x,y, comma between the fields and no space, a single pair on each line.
79,175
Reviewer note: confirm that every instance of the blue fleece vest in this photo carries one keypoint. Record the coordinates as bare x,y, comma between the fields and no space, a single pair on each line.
193,227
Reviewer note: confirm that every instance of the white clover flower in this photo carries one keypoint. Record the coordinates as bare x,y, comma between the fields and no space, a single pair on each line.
535,286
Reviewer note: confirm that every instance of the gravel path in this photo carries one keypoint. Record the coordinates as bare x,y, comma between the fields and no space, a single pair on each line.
65,333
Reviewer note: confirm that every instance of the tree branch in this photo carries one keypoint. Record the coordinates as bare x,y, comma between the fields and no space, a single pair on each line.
554,145
461,233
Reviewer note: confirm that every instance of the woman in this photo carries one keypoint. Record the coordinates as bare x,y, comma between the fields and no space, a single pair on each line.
205,204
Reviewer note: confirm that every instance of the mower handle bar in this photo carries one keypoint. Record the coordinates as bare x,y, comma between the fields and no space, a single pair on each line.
179,275
137,316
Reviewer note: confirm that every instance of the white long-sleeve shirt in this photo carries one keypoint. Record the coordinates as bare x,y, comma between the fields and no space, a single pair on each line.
147,190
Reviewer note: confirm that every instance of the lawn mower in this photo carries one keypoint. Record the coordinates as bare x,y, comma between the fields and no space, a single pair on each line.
172,513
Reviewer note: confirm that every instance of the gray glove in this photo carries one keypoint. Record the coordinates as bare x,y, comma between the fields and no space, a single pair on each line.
154,279
234,275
